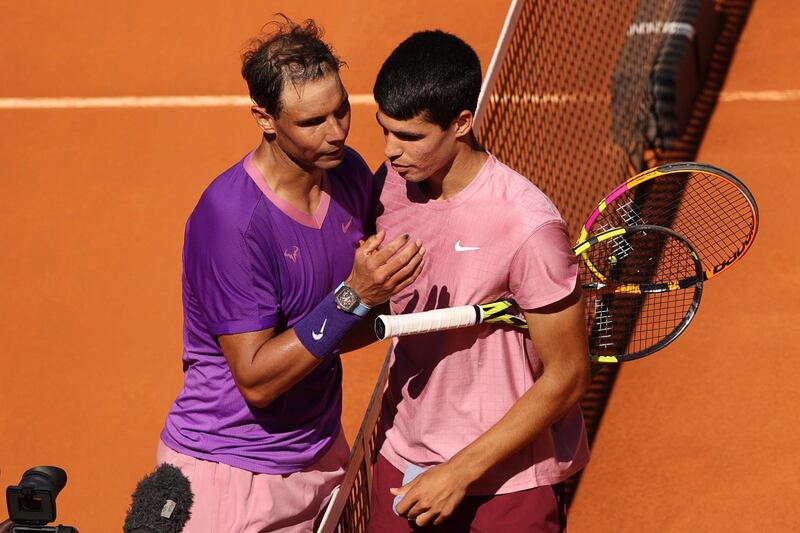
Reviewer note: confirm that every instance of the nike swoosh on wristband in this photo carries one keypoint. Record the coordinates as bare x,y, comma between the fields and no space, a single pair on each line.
318,336
459,248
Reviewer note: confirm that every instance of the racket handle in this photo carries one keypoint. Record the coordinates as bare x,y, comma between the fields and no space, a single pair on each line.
437,320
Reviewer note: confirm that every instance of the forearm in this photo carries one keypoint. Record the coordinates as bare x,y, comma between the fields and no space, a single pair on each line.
364,333
267,366
560,339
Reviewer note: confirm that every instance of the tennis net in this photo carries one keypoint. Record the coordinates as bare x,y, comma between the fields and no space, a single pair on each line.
348,509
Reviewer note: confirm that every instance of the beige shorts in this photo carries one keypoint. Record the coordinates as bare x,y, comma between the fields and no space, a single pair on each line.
232,500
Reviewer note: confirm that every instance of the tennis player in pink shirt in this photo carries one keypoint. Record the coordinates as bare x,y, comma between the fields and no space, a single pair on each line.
491,415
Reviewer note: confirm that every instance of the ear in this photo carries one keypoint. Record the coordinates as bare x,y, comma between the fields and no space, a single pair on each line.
463,123
264,120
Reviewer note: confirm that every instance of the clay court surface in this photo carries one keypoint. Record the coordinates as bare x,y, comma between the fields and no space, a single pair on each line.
702,437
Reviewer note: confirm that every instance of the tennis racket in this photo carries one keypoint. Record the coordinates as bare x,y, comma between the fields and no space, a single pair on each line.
707,205
648,291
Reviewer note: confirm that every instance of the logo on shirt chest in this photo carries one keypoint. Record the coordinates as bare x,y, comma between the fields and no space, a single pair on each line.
346,225
458,247
292,253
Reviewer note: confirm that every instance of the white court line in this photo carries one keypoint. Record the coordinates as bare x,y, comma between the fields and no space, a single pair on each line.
134,102
111,102
760,96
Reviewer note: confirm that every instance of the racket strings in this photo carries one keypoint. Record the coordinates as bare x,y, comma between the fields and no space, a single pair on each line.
627,324
629,213
631,324
673,262
716,217
659,315
714,213
621,249
603,327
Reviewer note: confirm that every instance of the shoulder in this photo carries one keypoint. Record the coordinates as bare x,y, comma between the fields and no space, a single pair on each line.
353,158
353,186
520,197
227,204
352,166
352,177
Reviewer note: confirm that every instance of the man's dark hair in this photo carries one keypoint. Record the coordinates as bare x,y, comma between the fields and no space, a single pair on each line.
292,54
433,73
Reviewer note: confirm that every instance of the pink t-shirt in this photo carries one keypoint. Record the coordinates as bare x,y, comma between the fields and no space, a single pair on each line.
499,237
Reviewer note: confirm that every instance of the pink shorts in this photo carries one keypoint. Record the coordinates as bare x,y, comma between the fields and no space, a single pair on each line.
540,509
229,499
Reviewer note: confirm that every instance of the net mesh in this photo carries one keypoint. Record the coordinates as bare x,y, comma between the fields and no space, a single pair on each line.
570,103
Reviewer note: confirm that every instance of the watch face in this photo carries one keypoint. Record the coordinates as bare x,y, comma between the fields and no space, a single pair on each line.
346,299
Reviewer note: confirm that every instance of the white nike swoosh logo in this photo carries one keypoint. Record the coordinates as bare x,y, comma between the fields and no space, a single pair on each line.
460,248
318,336
346,226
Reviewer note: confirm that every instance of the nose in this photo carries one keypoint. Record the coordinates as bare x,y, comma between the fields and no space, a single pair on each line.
392,149
337,132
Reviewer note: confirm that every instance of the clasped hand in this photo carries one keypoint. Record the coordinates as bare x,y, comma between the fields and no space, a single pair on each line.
380,272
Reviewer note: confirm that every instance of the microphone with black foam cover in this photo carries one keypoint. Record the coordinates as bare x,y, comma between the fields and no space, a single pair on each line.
161,503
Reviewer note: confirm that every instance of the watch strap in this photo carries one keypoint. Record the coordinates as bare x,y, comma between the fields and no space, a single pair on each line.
361,309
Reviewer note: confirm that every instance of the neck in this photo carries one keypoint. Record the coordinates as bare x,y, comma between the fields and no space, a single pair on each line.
299,186
455,177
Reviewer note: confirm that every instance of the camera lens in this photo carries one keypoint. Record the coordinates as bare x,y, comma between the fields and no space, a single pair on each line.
33,501
49,478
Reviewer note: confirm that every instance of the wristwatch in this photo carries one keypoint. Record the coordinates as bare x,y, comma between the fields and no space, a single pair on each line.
347,300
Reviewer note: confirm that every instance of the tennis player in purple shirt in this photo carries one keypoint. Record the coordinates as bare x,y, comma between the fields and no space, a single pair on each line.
276,273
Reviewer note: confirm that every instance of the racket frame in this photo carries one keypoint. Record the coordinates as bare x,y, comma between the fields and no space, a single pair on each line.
679,168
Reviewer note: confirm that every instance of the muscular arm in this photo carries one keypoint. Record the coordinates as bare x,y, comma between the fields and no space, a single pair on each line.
364,334
559,333
265,365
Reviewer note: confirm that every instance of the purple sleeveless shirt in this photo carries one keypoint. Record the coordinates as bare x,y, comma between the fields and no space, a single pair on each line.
251,261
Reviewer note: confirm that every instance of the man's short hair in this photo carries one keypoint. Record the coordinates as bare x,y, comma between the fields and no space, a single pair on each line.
433,73
291,54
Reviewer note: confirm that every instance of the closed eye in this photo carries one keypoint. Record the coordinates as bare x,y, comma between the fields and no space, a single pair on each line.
340,113
343,109
403,136
315,121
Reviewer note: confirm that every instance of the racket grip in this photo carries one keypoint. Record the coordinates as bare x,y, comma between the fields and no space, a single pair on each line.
437,320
